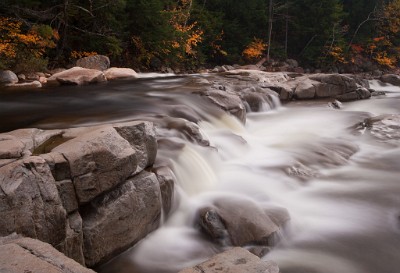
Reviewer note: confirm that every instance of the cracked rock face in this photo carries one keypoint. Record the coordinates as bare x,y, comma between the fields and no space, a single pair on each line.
30,256
29,201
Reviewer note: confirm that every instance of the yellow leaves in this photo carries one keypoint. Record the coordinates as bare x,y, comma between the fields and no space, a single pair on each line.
336,53
383,59
17,42
255,49
82,54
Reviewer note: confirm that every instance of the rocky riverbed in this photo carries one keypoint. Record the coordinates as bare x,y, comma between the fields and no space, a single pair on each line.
94,181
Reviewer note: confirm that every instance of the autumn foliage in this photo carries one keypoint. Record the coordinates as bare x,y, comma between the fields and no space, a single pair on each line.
20,43
255,49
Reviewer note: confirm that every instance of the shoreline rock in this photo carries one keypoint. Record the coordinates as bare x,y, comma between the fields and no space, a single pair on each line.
58,185
235,260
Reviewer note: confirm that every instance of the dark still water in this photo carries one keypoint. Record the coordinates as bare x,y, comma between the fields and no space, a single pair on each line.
339,182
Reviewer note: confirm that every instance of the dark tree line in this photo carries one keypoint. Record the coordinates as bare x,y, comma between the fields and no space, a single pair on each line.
149,34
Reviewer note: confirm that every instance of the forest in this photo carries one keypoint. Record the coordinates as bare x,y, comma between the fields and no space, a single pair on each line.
357,35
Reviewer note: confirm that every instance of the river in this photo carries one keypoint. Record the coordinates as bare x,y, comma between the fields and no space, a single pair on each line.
339,182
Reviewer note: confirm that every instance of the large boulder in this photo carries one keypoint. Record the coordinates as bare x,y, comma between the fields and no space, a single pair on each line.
29,201
98,62
98,160
391,78
241,222
29,255
8,77
235,260
332,85
77,76
120,218
116,73
141,136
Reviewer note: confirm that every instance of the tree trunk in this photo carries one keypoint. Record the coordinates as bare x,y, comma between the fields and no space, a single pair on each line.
270,14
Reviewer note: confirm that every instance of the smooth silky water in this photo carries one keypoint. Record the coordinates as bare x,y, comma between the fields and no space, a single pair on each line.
340,184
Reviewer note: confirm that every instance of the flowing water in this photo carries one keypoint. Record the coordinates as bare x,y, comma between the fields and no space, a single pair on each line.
339,182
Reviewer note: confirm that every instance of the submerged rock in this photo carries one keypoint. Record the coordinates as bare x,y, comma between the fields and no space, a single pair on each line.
384,127
227,101
235,260
241,222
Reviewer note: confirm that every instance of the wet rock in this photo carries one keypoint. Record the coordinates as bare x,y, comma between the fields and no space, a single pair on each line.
98,62
141,136
235,260
24,86
185,112
335,104
301,172
257,98
77,76
28,255
332,85
227,101
29,201
186,130
240,222
115,73
327,152
118,219
384,127
167,179
8,77
375,93
98,160
391,78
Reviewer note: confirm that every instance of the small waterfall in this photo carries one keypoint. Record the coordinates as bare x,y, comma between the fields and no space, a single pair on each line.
336,177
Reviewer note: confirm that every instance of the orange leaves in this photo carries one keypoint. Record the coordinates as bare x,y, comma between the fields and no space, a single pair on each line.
82,54
337,55
255,49
383,59
357,48
17,42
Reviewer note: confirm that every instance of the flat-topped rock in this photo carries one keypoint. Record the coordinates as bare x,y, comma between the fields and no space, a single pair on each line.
23,255
77,76
116,73
235,260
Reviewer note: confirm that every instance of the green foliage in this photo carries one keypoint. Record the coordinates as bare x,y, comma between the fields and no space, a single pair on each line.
189,33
